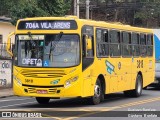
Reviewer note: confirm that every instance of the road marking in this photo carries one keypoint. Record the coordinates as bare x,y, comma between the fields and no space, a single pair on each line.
116,107
48,116
17,104
93,110
86,114
14,99
61,109
139,102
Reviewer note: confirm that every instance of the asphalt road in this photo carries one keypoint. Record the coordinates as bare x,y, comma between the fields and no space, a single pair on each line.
115,106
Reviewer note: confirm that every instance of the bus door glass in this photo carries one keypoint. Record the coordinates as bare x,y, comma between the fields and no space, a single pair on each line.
87,46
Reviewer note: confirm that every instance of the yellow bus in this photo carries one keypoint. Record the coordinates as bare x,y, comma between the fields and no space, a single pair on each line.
57,57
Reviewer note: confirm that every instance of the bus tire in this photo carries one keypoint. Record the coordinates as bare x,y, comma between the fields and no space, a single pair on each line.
138,88
145,88
42,100
97,97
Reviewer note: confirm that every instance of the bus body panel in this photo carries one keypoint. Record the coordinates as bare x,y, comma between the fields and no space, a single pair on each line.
25,85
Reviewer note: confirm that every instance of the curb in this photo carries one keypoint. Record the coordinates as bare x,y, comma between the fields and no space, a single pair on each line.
6,96
6,92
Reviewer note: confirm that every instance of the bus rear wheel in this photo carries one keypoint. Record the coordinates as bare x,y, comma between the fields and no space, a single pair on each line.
98,93
42,100
138,88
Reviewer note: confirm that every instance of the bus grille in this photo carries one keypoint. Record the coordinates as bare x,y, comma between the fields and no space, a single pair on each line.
43,73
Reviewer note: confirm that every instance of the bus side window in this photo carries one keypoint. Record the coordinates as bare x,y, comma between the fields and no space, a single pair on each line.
102,43
135,44
115,46
143,44
126,44
149,45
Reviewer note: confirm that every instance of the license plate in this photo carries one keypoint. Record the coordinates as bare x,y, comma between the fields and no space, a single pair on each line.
42,91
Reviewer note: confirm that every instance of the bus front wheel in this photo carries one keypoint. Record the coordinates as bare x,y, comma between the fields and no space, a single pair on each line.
98,93
42,100
138,88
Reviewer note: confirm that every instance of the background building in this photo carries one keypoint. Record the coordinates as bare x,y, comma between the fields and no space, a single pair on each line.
5,28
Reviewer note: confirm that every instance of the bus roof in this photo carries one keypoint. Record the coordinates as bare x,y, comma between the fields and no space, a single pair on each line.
102,24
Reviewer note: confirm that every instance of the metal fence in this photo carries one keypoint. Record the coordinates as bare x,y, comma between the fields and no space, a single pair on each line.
3,52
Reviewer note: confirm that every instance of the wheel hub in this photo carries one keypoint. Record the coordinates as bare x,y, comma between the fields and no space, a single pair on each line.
139,87
97,91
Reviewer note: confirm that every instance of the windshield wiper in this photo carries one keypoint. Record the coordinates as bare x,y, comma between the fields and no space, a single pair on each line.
58,37
32,42
53,45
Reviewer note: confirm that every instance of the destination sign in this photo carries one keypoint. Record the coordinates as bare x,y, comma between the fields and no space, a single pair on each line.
34,37
47,25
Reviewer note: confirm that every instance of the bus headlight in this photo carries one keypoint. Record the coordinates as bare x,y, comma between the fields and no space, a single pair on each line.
17,80
69,81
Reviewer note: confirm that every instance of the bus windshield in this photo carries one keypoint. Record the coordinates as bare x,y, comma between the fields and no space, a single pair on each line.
53,50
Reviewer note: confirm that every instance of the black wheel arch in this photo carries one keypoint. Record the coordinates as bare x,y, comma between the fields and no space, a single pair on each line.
103,82
140,73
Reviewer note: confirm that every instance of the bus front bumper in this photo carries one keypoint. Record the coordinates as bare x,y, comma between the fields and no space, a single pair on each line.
60,91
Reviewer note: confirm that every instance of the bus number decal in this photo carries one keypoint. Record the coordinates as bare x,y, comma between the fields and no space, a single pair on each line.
139,63
28,81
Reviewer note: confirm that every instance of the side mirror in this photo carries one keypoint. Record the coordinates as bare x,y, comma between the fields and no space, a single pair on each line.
8,48
88,43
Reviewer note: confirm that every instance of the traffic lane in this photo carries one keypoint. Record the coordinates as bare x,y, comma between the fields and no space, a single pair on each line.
149,110
122,112
13,101
29,102
119,98
111,100
145,109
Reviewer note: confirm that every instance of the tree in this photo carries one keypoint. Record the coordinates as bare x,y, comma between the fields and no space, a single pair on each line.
25,8
54,7
4,8
20,9
149,12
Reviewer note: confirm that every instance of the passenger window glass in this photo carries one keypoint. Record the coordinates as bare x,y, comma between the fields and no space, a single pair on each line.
102,42
135,44
115,47
126,44
143,47
149,45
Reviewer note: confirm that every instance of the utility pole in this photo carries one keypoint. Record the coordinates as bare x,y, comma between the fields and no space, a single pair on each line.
76,8
87,9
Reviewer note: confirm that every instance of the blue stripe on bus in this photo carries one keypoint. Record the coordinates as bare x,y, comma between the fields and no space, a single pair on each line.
157,47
